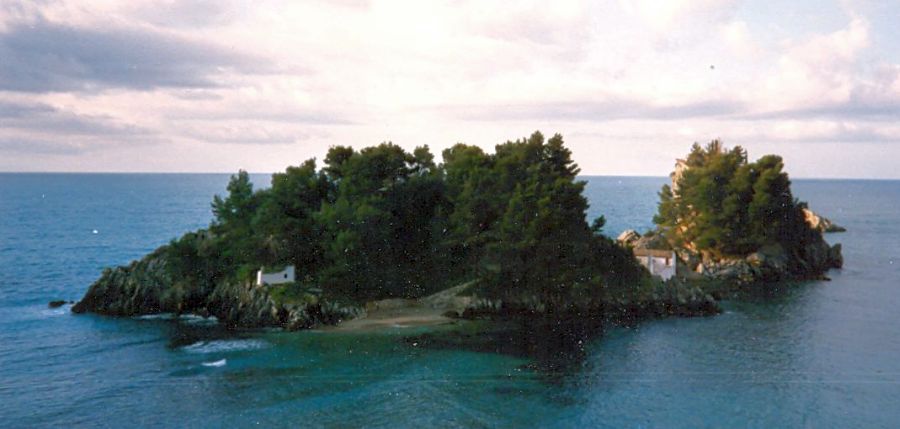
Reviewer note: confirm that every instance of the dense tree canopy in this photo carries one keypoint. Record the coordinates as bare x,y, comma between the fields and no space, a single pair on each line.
728,206
382,222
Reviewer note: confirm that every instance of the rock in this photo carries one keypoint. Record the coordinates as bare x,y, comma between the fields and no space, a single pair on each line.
56,304
143,287
835,258
628,236
297,318
146,287
651,240
772,258
773,263
821,223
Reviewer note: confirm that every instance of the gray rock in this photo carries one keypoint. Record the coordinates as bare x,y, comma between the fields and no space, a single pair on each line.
835,258
652,241
774,263
146,287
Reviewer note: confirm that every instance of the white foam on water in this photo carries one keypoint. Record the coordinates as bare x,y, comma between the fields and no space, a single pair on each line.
58,311
220,346
193,319
158,316
37,312
216,364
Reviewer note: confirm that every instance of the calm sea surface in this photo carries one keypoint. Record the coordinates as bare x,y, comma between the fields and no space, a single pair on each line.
818,354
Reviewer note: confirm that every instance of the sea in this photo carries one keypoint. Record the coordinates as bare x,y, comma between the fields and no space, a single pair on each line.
818,354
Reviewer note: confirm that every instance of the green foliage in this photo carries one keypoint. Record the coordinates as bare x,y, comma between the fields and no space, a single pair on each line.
382,222
382,229
728,206
519,220
294,293
285,220
232,224
598,224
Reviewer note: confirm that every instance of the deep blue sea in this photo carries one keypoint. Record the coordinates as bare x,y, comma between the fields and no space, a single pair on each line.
822,354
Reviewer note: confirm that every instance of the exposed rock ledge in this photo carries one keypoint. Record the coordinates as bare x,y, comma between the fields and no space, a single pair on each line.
821,223
769,263
773,263
146,287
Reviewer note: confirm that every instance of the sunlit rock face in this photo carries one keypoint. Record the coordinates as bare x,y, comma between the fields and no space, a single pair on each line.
820,223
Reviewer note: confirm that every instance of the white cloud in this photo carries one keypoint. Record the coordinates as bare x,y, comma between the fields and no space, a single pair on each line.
664,15
740,41
284,80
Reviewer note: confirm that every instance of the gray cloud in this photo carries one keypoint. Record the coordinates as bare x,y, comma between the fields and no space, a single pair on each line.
250,139
598,111
46,57
196,94
872,100
856,108
267,115
42,147
247,132
190,13
206,13
10,110
33,116
862,134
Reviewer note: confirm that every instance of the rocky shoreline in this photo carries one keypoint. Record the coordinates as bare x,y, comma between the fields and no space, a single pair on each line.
674,298
771,263
145,287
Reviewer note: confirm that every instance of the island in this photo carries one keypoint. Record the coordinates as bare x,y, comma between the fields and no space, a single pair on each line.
737,222
382,236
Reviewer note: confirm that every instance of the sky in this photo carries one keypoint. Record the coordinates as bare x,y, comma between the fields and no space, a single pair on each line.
222,85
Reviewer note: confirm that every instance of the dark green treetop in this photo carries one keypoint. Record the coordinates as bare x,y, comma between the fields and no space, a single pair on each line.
382,222
728,206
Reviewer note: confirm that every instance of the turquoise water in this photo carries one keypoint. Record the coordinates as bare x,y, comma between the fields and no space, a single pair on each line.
817,354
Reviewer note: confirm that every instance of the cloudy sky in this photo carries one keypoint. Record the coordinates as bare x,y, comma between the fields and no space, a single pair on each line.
218,85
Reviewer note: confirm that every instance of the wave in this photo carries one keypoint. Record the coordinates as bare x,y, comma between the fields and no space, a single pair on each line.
58,311
191,319
158,316
34,312
216,364
219,346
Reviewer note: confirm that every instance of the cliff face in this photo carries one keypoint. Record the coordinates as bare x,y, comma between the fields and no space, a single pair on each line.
146,287
820,223
143,287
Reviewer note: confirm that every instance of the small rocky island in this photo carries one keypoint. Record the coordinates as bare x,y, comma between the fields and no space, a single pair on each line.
737,221
384,235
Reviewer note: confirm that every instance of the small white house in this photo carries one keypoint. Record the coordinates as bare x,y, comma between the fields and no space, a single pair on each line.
660,263
273,278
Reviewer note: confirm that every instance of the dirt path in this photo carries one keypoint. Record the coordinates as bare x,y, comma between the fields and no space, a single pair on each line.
408,313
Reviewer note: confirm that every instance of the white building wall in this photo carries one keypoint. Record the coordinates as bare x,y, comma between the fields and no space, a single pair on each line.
283,276
662,267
